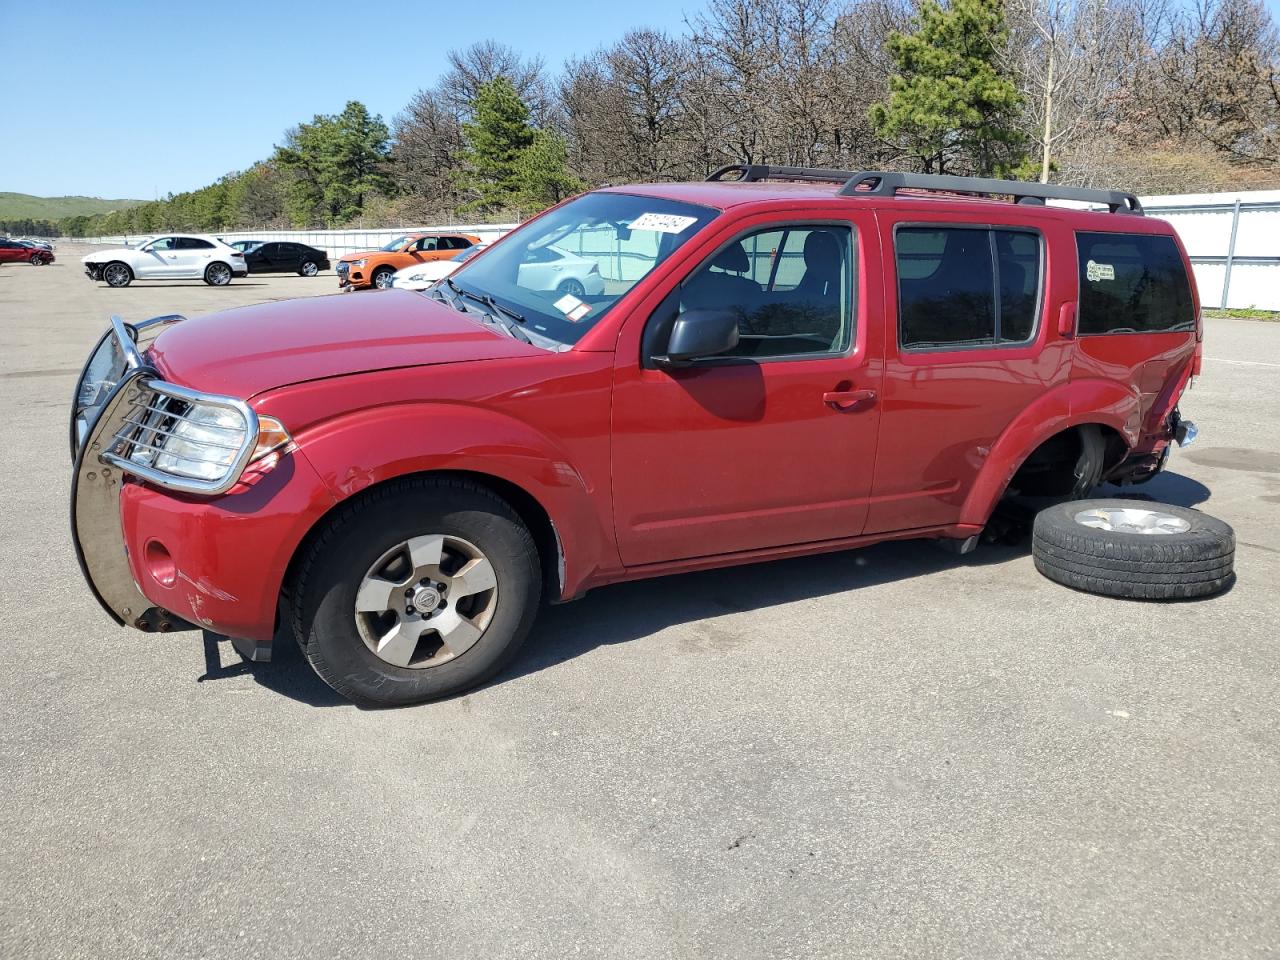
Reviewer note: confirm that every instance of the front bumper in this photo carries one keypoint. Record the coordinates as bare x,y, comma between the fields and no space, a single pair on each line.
160,560
349,276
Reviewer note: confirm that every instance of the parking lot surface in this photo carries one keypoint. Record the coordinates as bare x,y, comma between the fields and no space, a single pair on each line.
892,752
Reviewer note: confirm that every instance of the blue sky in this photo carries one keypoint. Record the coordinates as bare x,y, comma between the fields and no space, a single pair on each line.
139,99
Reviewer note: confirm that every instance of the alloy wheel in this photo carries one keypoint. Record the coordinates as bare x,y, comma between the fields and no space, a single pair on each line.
116,275
219,274
309,269
426,601
1132,520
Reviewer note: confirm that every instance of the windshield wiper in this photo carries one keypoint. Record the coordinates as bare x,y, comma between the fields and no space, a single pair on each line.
498,310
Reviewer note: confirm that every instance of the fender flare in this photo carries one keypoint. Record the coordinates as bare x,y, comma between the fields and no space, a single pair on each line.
357,450
1072,404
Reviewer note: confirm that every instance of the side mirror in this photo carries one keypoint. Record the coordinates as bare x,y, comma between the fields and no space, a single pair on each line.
700,333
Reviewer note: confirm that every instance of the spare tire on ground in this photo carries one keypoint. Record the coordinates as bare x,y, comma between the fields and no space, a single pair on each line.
1134,548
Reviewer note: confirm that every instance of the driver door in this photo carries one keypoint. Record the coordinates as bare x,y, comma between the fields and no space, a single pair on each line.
773,443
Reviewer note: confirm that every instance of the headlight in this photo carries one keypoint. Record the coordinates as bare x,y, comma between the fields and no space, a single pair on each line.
359,263
418,276
178,438
202,444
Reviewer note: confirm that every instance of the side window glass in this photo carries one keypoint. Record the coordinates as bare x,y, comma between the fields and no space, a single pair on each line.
164,243
1018,264
966,286
946,287
1132,283
791,289
427,243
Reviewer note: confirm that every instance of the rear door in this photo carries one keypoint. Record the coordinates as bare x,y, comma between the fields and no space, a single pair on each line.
191,256
969,347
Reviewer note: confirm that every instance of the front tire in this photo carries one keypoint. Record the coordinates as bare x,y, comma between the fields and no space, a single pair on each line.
382,278
418,590
117,274
37,260
217,275
309,269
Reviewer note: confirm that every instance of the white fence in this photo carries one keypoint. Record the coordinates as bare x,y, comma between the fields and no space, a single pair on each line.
1233,241
336,243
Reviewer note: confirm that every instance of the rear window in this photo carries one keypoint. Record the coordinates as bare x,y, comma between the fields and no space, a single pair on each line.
1132,283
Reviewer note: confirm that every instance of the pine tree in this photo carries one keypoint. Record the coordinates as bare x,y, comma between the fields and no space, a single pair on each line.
496,137
542,171
951,105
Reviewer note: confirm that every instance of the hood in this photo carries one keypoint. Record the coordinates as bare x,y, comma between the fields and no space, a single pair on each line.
242,352
348,257
109,253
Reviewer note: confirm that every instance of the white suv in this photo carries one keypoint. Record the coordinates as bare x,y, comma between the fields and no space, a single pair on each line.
176,256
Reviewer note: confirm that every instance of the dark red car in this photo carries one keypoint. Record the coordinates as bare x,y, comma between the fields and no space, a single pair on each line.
21,251
772,369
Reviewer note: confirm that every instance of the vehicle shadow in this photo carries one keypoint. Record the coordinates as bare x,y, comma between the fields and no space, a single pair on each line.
1166,487
630,611
287,674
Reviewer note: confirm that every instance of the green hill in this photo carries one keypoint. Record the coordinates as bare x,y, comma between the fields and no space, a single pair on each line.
23,206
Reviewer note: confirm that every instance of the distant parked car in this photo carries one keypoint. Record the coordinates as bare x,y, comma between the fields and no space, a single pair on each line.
550,268
278,256
178,256
18,251
31,241
423,275
375,268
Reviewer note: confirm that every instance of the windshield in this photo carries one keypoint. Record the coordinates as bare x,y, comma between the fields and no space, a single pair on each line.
394,245
462,256
564,271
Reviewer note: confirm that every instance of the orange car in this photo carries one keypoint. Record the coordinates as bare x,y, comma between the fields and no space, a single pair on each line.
375,267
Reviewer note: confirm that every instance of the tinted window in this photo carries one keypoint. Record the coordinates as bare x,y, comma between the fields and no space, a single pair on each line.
1018,266
1132,284
966,287
791,288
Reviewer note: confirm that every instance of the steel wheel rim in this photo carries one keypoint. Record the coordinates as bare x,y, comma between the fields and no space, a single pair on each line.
426,601
309,269
1132,520
219,274
383,280
115,275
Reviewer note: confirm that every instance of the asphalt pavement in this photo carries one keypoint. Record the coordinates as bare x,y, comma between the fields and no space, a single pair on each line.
892,752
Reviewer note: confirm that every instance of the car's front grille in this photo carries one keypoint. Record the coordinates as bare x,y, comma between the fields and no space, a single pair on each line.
343,270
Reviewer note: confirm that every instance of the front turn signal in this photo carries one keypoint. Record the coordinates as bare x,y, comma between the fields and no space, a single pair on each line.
271,436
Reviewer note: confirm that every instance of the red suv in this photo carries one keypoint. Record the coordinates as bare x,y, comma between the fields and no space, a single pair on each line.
790,362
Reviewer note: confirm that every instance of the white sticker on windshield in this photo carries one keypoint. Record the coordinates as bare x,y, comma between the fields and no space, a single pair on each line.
1099,271
662,222
568,303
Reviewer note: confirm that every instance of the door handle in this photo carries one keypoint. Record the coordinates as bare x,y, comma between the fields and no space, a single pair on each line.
848,399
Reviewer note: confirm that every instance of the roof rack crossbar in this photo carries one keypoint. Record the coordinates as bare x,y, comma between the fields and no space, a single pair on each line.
883,183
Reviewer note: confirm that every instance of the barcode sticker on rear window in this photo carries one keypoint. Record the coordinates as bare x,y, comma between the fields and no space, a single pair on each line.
1099,271
662,222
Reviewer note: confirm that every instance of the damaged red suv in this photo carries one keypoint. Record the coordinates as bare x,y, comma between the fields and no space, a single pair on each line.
782,361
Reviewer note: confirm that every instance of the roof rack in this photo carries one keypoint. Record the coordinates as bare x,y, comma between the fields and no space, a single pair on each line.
881,183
